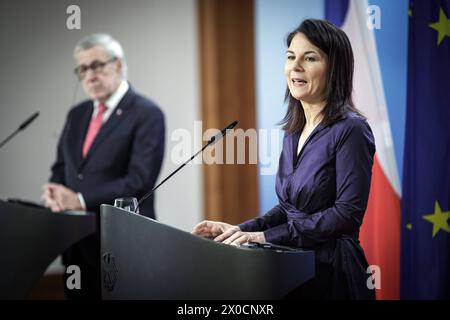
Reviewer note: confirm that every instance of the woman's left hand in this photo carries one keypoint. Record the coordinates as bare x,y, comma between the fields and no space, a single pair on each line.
240,237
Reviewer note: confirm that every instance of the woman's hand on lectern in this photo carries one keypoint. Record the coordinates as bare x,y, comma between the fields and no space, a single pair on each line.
241,237
226,233
214,229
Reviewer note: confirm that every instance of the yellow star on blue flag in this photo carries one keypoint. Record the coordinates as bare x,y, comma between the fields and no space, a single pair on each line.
439,219
442,26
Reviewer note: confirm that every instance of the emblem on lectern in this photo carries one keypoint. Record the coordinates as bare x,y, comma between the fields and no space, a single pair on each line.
109,271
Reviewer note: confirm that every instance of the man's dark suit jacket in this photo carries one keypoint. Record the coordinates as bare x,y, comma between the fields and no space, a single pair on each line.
124,159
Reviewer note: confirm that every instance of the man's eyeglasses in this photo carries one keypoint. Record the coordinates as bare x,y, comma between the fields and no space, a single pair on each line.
96,66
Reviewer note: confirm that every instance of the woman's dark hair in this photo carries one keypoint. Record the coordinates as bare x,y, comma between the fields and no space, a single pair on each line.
338,96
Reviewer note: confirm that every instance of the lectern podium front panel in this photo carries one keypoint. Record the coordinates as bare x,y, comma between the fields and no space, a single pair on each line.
146,259
30,239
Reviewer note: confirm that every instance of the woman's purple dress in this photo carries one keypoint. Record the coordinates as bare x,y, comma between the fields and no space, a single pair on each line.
322,196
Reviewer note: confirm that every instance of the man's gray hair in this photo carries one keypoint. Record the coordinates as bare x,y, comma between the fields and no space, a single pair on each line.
111,45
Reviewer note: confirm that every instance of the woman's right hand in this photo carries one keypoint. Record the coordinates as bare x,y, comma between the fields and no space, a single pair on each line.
216,230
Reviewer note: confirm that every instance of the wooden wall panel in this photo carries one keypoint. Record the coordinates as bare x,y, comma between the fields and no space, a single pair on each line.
227,65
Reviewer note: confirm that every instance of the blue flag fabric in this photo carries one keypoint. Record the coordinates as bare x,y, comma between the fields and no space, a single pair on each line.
425,245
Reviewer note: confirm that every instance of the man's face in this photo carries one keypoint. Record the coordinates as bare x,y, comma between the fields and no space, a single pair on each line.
104,76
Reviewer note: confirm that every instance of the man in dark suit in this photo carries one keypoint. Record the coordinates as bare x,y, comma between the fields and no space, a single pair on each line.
112,146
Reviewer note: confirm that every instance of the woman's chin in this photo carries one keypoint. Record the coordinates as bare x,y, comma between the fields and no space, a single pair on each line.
300,96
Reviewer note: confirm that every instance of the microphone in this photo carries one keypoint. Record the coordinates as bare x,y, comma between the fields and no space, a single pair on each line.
212,141
25,124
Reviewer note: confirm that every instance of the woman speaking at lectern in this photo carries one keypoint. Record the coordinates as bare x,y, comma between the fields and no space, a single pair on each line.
324,173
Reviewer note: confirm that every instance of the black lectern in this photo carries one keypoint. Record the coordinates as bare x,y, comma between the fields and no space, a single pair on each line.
145,259
30,239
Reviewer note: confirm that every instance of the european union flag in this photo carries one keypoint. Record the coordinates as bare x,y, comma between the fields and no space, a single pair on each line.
425,257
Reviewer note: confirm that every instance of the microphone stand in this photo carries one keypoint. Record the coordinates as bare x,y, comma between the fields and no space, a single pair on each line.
211,141
21,127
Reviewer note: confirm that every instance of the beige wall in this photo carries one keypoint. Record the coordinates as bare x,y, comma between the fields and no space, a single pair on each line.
160,42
